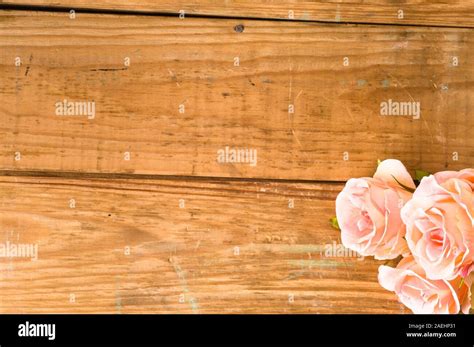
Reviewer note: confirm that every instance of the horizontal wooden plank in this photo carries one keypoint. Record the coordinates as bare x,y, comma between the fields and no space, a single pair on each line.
437,12
307,98
231,247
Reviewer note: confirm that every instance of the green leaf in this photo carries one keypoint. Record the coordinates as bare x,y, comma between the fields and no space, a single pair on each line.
411,190
419,174
334,223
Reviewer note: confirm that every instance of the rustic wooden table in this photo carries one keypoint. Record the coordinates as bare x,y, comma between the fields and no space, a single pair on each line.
133,198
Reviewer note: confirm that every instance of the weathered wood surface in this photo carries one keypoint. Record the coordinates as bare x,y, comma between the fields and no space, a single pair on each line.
114,237
432,12
191,62
280,265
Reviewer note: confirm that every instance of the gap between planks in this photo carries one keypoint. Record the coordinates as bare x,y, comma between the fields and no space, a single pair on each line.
80,9
128,176
458,14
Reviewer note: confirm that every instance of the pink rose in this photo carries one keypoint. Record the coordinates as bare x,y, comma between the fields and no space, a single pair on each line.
440,224
423,295
368,212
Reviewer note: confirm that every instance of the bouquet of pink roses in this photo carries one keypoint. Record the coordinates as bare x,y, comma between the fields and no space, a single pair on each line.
431,226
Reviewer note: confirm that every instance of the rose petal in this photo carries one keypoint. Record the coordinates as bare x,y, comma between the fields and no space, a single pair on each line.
390,168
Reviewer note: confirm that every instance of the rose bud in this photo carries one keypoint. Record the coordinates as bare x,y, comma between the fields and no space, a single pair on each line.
423,295
440,224
368,211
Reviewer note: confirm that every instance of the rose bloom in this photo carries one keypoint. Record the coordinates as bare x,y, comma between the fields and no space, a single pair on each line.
423,295
440,224
368,212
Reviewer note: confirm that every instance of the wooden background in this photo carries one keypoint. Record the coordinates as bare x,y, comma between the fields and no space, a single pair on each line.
172,230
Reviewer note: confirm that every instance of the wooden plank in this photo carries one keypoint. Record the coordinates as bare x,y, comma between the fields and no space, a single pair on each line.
191,63
438,12
280,265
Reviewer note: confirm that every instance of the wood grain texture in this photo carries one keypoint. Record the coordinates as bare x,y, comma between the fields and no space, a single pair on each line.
234,245
176,251
421,12
191,62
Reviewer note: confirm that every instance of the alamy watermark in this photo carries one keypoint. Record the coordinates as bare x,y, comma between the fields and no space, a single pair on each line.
237,155
28,329
337,250
400,108
75,108
19,250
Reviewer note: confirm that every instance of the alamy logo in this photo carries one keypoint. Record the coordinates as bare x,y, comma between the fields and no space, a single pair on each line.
337,250
19,250
75,108
400,108
237,155
37,330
